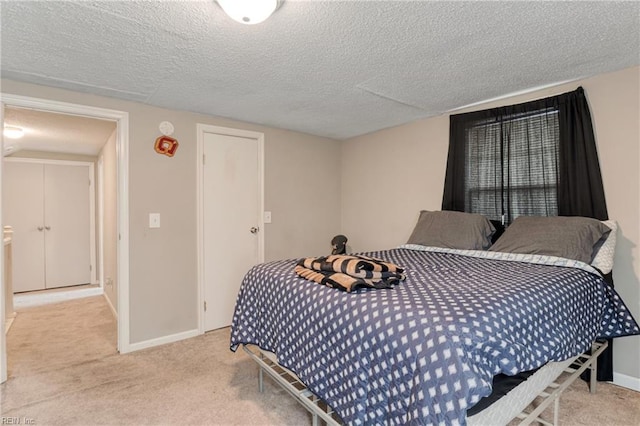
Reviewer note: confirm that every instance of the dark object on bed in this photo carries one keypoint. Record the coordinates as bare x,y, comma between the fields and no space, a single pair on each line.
350,272
339,244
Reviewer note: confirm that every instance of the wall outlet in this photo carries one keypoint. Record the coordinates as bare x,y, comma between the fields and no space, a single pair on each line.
154,220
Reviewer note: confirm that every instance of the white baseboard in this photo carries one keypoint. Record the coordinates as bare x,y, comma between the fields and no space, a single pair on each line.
162,340
113,309
625,381
37,299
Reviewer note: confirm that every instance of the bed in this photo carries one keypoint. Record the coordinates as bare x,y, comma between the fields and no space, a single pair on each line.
426,350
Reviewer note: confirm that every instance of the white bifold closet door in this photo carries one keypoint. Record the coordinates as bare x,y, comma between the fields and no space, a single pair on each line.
48,207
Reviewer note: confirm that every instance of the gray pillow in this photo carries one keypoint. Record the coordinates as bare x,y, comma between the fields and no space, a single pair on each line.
563,236
605,249
449,229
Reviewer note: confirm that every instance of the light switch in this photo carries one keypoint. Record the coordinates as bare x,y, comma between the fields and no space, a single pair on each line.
267,217
154,220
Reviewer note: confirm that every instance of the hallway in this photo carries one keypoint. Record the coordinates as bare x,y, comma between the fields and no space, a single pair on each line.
52,337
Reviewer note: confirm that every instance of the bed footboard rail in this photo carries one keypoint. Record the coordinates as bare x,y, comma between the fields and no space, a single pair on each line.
551,395
290,383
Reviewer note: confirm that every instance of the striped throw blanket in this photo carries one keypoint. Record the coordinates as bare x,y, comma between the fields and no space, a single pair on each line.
349,272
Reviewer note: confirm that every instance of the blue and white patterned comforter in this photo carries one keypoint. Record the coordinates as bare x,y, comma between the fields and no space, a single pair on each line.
426,350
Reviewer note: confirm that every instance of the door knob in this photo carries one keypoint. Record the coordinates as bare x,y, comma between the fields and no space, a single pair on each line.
48,228
254,230
40,228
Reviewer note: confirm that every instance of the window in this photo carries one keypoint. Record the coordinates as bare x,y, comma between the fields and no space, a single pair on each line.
537,158
511,165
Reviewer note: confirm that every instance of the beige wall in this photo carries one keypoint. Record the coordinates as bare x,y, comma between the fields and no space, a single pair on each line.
406,164
302,190
388,177
110,217
163,279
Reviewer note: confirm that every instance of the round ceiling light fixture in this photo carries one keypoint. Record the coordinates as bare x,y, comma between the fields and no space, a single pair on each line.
249,12
12,132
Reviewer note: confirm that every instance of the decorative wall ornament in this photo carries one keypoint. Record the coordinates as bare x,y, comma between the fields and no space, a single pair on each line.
166,144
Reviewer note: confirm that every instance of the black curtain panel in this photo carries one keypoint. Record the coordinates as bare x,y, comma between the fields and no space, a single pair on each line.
455,174
535,158
580,190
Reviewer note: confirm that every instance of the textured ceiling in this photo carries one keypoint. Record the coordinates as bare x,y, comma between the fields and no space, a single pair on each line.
330,68
51,132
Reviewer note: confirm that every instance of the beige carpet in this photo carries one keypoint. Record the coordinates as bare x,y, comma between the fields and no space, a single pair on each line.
63,369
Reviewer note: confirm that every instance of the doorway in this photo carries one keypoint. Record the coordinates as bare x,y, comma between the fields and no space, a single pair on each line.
121,236
230,222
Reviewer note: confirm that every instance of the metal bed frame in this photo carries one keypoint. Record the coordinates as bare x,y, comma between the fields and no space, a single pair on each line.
320,410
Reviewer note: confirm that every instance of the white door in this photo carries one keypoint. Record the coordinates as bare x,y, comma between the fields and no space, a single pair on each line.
231,219
48,207
67,225
23,193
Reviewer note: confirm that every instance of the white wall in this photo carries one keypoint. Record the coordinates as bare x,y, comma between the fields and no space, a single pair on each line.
407,163
163,278
110,218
